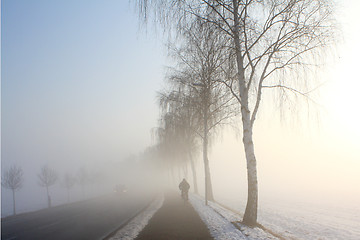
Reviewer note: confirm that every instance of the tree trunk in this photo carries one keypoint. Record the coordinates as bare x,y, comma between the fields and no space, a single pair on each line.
208,186
180,177
185,169
169,176
173,177
250,215
48,197
193,173
14,206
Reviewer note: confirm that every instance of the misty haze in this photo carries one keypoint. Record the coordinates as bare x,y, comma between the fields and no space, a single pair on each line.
167,119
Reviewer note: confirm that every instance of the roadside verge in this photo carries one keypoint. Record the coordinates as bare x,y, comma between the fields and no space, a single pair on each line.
226,224
130,228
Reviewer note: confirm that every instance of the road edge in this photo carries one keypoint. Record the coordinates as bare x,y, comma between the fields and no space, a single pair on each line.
112,233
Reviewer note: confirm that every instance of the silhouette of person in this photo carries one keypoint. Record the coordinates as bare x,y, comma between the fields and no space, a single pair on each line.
184,187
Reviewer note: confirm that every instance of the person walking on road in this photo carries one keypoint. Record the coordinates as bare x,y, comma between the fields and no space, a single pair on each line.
184,186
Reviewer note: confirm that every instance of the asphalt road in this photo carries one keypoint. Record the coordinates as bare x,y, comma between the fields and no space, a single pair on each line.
91,219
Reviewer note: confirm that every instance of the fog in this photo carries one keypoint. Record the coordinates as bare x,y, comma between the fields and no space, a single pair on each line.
79,91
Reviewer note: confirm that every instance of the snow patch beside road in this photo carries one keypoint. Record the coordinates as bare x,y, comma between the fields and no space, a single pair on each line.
136,225
221,222
219,227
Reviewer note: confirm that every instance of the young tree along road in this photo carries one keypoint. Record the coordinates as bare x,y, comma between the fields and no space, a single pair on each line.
47,178
272,43
13,179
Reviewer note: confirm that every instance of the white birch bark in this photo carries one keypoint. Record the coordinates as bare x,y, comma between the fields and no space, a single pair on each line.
250,215
208,186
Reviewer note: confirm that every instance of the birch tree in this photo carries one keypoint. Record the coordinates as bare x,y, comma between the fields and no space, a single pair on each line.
12,179
271,39
47,178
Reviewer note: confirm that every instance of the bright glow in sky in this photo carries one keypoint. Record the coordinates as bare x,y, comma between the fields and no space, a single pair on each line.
314,160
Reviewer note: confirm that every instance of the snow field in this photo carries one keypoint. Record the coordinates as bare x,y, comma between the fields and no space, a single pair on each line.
303,221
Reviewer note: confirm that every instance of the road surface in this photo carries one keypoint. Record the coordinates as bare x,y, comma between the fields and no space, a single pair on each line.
91,219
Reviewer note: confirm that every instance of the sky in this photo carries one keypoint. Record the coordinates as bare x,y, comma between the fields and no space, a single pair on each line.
78,87
75,76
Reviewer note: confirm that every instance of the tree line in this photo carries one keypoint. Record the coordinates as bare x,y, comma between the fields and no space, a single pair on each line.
227,54
13,179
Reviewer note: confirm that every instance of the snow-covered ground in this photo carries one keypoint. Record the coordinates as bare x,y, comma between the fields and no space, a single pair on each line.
219,227
134,227
220,222
303,221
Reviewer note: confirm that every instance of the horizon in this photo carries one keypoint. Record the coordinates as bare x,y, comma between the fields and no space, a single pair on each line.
78,88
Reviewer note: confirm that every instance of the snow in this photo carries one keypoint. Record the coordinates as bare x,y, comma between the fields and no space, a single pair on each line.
309,221
219,227
136,225
251,233
223,223
302,220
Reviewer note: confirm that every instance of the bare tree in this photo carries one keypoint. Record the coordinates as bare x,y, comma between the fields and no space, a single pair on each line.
13,179
200,101
47,178
178,132
204,59
272,41
69,182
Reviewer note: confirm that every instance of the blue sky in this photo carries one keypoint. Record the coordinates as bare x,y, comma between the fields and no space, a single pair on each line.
76,75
